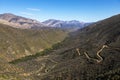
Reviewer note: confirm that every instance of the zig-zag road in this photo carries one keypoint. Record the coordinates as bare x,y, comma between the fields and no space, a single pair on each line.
100,58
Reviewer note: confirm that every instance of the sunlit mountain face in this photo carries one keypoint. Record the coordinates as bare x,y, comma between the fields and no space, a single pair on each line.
18,21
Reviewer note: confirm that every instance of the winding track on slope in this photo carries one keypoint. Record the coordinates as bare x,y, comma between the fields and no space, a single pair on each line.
100,58
43,66
98,53
78,51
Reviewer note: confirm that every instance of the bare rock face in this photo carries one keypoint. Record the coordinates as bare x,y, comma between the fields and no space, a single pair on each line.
19,22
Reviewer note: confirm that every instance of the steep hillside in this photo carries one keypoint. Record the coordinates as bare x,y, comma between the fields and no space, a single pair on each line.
16,43
91,53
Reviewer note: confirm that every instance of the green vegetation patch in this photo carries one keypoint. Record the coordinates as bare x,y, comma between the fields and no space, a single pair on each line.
42,53
26,58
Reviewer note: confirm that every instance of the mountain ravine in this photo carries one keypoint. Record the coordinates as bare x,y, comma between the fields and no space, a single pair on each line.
90,53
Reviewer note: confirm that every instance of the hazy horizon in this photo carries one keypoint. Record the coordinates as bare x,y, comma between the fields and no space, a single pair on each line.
82,10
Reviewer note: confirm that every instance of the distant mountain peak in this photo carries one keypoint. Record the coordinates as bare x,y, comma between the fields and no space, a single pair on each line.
72,24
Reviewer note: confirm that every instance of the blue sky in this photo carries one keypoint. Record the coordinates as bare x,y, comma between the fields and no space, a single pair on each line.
82,10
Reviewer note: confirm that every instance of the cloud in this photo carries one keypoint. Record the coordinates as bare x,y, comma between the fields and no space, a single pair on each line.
33,9
26,13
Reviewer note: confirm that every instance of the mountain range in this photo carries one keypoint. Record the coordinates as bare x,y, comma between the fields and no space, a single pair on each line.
73,24
26,23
